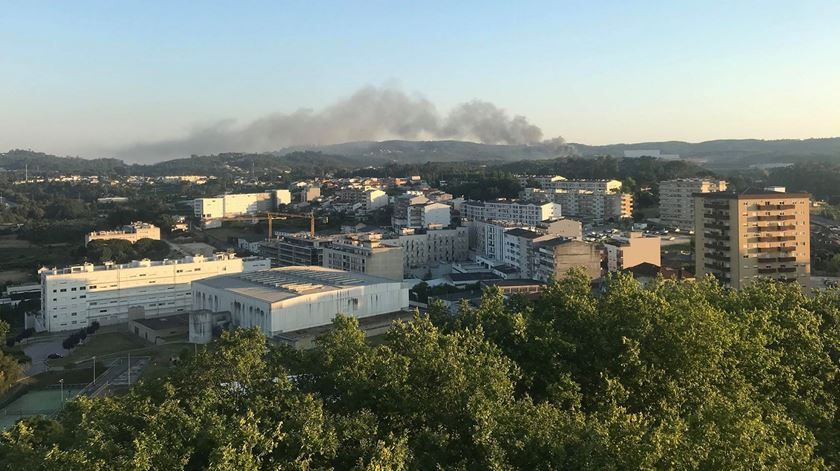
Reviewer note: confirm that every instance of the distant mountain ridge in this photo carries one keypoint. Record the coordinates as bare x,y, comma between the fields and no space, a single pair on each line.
732,153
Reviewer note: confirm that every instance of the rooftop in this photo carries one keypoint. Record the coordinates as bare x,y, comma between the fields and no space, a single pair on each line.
752,193
168,322
283,283
145,263
521,232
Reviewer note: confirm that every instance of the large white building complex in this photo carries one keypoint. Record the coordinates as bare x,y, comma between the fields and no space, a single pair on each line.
230,205
676,199
73,297
289,299
130,232
518,212
591,200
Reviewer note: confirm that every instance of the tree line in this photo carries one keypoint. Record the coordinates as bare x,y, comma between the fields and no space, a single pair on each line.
676,375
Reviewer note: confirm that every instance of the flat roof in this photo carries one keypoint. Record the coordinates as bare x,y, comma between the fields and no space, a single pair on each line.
521,232
751,194
279,284
167,322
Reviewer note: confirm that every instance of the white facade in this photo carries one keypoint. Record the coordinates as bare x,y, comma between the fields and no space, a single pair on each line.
75,296
525,213
130,232
230,205
289,299
676,199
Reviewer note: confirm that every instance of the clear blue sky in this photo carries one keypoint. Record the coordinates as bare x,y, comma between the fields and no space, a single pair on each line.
81,76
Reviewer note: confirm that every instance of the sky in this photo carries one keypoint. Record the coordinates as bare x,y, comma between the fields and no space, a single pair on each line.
94,78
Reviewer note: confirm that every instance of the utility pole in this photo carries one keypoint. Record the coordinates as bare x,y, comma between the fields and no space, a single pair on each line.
61,383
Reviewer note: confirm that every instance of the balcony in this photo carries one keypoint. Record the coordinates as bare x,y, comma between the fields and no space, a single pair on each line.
775,207
780,217
717,215
716,266
716,225
716,245
723,206
776,228
773,239
787,259
721,257
766,271
787,270
715,236
768,260
775,249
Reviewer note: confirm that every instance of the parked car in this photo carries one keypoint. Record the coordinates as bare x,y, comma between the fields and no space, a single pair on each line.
54,356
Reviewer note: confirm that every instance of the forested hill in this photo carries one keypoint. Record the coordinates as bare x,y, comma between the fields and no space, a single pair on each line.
733,152
720,154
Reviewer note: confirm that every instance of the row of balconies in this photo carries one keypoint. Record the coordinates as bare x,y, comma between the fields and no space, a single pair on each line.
776,259
724,206
772,239
779,217
765,271
774,228
775,207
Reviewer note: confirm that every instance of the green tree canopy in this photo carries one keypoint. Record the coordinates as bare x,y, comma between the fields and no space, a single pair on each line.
675,375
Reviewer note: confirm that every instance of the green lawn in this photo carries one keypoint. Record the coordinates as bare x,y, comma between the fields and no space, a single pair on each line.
102,344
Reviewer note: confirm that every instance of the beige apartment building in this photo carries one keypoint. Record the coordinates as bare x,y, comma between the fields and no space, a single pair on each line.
554,258
741,237
130,232
626,251
676,199
365,253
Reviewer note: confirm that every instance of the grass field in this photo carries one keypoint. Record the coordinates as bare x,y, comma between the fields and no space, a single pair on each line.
102,345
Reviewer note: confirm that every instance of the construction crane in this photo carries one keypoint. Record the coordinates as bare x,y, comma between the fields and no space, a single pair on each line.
270,216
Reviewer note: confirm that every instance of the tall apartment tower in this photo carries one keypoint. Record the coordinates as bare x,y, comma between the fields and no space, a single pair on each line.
755,234
676,199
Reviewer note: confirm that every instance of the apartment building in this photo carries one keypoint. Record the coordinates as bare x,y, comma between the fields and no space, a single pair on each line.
628,250
367,198
486,238
290,249
240,204
74,296
365,253
130,232
556,256
418,211
424,248
754,234
593,206
676,199
528,213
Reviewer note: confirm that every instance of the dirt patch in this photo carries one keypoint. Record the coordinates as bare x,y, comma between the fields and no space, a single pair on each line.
12,242
15,276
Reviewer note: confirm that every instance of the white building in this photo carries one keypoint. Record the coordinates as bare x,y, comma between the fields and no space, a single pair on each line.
418,211
600,202
75,296
130,232
240,204
519,212
676,199
290,299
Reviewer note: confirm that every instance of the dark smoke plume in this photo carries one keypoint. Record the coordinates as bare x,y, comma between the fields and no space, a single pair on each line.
372,113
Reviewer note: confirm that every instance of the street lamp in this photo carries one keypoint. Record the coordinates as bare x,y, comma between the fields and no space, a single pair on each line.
61,383
94,369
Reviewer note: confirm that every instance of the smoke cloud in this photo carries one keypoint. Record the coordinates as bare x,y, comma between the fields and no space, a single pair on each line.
372,113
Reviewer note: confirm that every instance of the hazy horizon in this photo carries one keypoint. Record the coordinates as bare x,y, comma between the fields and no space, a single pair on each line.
153,81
